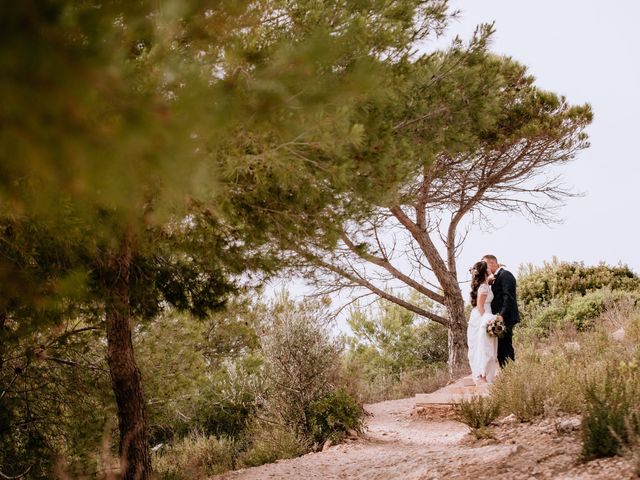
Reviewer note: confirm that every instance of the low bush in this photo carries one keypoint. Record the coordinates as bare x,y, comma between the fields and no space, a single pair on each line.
544,318
522,395
424,380
302,361
331,417
526,386
557,279
199,455
611,421
560,294
478,413
584,311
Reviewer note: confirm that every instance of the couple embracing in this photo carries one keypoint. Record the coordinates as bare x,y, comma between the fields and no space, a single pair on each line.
494,314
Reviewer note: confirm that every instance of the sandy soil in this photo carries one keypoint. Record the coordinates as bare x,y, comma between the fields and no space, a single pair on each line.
397,445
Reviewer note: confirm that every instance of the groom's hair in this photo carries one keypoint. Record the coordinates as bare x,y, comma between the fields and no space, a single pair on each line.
491,257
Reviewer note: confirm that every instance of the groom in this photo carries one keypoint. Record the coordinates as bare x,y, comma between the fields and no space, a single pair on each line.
504,305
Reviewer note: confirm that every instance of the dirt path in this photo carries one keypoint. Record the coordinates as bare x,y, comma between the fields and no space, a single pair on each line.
397,445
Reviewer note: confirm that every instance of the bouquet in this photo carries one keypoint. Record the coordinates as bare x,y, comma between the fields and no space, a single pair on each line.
495,326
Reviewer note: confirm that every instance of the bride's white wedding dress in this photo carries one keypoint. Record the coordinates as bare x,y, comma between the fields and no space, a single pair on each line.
483,348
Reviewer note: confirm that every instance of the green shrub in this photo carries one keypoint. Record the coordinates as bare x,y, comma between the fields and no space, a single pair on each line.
583,372
559,279
582,312
611,420
227,400
393,340
302,360
333,416
392,353
208,373
195,456
478,413
546,318
560,294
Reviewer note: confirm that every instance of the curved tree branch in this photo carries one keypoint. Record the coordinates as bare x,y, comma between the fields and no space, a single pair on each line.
361,281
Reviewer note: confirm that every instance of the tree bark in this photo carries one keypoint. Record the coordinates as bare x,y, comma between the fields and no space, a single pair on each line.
135,458
3,320
458,360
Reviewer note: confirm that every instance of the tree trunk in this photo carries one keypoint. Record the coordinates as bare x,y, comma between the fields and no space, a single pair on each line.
126,381
458,360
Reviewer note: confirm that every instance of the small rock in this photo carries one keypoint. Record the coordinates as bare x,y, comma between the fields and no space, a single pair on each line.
568,425
352,433
327,445
509,419
517,449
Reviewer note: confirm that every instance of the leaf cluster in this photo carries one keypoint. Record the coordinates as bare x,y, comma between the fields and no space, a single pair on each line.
392,341
558,279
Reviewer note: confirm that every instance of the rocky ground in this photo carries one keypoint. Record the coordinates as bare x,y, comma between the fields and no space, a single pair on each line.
402,444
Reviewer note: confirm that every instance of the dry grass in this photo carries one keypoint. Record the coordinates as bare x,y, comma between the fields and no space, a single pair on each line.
407,384
592,374
195,456
554,370
270,443
536,380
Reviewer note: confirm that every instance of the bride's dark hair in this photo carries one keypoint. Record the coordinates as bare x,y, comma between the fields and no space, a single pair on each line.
478,276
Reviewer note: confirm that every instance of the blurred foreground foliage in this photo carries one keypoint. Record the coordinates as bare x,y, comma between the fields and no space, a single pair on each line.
151,152
155,158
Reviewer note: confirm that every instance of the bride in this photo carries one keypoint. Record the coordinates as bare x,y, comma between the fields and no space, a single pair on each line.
483,347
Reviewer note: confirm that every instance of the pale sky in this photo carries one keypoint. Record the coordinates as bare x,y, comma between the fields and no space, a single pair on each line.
589,52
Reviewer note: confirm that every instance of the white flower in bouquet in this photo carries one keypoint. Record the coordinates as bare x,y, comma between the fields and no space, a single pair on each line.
495,327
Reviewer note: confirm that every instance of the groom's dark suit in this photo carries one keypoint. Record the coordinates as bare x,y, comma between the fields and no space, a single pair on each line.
504,303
